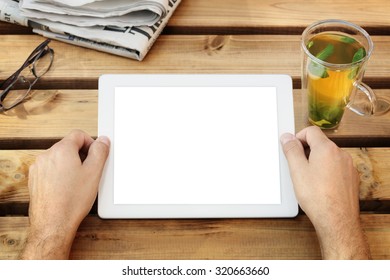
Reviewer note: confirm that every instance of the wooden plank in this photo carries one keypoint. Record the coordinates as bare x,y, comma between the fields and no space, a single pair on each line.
51,114
354,130
47,117
8,28
196,239
76,67
270,16
372,164
273,16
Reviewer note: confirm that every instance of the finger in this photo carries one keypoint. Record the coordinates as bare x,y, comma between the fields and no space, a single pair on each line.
76,142
97,155
294,152
312,136
79,140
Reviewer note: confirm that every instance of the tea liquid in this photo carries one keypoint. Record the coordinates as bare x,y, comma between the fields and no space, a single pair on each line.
329,90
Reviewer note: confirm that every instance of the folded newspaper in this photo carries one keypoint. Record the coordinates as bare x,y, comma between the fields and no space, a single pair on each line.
121,27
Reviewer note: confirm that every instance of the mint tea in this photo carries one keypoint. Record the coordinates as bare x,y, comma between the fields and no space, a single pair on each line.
328,89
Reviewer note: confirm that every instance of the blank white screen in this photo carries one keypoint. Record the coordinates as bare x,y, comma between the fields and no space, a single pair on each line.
196,145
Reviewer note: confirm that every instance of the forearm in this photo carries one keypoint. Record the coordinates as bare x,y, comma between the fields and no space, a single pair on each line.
54,245
344,241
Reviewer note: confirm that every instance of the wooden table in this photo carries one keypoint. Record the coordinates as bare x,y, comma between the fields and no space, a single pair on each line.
203,36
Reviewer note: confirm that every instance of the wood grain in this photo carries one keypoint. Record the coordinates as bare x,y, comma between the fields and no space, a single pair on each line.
260,54
373,166
349,132
51,114
273,16
268,16
219,36
14,175
48,116
196,239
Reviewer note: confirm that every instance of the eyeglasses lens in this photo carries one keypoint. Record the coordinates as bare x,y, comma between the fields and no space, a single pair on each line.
43,63
17,92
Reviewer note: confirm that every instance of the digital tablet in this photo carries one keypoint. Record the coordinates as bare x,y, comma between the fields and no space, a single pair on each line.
195,146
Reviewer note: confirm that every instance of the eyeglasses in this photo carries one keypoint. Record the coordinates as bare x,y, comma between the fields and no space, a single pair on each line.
17,87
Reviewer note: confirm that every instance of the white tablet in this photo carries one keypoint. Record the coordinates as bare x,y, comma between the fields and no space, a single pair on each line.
195,146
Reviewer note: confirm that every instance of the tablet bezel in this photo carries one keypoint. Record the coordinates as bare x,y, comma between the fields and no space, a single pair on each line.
107,84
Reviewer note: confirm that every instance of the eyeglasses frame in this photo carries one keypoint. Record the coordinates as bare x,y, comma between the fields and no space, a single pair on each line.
39,52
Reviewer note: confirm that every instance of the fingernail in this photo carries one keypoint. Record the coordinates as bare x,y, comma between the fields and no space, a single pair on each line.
104,139
286,137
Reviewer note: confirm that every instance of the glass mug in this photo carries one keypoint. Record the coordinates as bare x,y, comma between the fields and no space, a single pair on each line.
334,56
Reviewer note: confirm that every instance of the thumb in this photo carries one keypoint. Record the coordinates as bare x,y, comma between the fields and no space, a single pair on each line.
97,154
294,152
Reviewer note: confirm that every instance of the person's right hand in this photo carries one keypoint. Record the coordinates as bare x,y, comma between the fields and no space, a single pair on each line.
63,184
326,185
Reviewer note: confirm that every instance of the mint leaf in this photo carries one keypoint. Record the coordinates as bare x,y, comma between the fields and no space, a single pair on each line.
325,53
321,123
317,69
359,54
348,40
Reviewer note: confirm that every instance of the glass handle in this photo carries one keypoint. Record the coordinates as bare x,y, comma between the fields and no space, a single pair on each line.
363,106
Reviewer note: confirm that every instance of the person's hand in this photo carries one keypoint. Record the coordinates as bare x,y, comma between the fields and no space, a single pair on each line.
326,185
63,184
